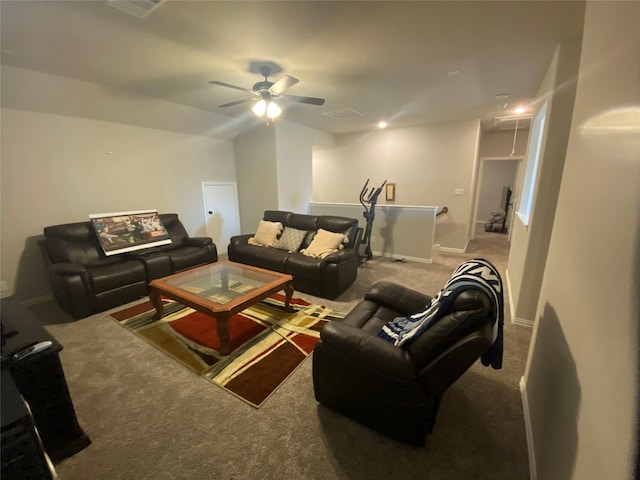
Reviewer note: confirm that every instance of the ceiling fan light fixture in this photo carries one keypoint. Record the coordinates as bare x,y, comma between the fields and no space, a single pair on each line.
260,108
273,110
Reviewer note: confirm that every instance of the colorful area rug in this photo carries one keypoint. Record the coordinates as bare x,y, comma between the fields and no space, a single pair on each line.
267,342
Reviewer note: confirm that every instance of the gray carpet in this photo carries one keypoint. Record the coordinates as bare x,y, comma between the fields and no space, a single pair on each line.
151,418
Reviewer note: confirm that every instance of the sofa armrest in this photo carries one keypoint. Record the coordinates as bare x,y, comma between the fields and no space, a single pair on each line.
368,351
240,239
339,257
198,241
71,287
397,297
66,269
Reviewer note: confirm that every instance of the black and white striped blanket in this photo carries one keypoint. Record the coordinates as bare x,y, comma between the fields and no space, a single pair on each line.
475,273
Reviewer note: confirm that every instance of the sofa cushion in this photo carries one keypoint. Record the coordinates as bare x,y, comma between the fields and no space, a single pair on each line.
348,226
277,216
291,239
176,230
76,243
324,244
266,233
110,277
303,222
187,257
301,265
271,259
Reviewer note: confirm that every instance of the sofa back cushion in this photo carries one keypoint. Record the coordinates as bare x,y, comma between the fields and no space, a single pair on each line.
344,225
176,230
75,243
277,216
312,223
469,312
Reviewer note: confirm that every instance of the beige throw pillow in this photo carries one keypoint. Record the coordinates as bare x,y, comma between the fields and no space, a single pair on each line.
266,234
325,243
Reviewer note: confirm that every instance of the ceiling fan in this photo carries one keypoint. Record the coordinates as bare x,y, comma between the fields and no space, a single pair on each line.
266,93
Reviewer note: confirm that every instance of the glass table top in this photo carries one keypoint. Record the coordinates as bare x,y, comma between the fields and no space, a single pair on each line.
222,282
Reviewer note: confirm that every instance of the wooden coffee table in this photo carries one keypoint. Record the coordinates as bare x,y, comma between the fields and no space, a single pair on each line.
221,290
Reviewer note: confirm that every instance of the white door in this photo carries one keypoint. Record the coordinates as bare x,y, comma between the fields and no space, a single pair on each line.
221,212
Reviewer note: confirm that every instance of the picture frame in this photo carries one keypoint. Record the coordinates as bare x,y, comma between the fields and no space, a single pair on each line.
121,232
390,192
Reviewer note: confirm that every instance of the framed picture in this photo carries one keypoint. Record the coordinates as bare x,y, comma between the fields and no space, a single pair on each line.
390,192
128,231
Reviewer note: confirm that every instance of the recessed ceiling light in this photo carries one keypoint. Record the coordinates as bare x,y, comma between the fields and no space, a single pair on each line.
520,110
382,124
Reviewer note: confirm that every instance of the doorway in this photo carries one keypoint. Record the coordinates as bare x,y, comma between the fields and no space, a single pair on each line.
221,212
496,173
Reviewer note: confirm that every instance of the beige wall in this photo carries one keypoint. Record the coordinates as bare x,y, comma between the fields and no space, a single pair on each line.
257,173
58,168
529,243
581,380
427,163
500,143
273,166
294,147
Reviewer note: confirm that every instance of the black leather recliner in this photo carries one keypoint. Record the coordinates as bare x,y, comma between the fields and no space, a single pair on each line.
392,389
85,281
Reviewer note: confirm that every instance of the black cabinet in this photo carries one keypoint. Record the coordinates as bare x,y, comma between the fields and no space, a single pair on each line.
23,456
40,380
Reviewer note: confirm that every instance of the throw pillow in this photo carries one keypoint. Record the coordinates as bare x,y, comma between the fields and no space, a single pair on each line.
324,243
291,239
266,234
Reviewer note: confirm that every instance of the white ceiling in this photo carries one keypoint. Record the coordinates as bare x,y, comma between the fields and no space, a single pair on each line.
388,60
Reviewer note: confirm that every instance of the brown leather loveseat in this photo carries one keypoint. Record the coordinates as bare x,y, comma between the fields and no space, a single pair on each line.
324,277
85,281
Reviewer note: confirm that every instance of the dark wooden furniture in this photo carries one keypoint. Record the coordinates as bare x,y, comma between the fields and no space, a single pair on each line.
41,381
220,290
22,452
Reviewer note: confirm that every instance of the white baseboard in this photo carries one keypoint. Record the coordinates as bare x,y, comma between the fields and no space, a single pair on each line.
515,320
403,257
522,321
533,475
451,250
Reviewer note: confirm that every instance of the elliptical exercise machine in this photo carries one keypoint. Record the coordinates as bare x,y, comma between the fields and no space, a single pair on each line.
370,198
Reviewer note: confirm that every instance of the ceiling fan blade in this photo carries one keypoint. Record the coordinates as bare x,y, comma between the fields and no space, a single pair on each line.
282,84
309,100
237,102
228,85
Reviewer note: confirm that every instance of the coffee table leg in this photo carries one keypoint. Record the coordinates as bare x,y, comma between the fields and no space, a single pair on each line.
223,334
288,292
156,300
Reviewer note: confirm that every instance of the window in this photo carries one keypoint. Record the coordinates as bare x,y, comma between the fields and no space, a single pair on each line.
532,161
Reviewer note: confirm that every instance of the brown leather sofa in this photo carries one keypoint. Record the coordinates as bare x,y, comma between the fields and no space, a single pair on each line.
85,281
394,390
323,277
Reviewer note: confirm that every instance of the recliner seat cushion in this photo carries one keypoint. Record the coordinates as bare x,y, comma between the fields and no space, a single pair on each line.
112,276
303,266
272,259
186,257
